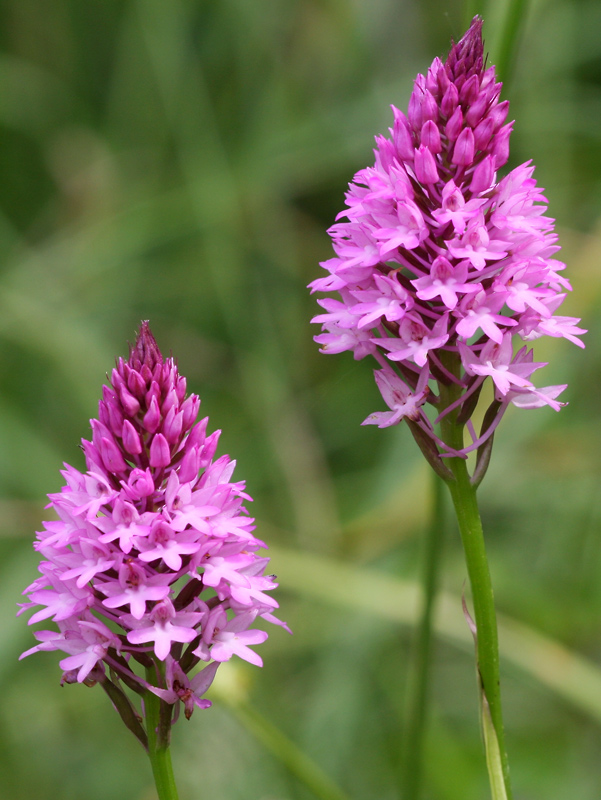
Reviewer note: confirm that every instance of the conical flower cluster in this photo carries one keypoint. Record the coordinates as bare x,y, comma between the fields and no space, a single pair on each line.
439,261
152,559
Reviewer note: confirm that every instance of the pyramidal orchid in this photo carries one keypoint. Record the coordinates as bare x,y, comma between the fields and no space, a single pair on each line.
151,572
444,270
445,273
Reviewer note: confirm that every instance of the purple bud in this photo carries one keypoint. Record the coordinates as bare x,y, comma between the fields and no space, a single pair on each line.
130,404
470,91
455,124
476,110
484,175
93,460
208,450
401,135
198,433
422,107
131,439
136,383
500,148
180,388
116,378
169,401
463,153
139,484
430,137
111,456
154,391
425,166
498,113
483,133
190,465
466,56
146,350
172,425
450,100
160,455
152,417
189,409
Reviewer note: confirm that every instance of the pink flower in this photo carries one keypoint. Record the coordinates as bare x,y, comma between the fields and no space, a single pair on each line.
441,262
151,527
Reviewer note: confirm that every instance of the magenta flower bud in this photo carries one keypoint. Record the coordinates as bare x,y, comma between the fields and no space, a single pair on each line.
484,175
111,455
139,484
430,137
158,564
483,133
190,411
136,383
463,152
500,148
476,110
180,388
470,91
190,465
402,137
498,114
152,417
116,377
129,402
160,455
450,100
454,125
153,391
131,439
425,166
210,446
172,426
169,402
422,107
198,433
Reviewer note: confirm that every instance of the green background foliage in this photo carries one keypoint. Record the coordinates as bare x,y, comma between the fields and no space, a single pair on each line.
180,161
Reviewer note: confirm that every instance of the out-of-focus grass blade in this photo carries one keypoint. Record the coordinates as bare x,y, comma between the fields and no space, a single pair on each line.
564,672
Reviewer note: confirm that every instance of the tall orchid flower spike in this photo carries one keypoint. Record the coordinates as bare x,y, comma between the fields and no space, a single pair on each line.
438,258
152,566
444,272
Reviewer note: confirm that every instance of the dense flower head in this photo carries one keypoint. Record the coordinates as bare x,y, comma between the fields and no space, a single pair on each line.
441,260
152,558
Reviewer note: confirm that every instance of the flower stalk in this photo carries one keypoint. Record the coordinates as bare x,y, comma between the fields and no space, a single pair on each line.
158,723
420,667
463,495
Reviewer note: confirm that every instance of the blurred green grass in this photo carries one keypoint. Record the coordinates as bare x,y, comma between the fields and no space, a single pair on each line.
180,162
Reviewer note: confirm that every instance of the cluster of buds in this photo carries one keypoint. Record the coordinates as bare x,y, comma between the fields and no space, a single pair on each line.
444,272
152,560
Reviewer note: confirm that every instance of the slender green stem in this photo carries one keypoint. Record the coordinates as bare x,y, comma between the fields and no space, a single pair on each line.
419,670
506,42
157,728
463,494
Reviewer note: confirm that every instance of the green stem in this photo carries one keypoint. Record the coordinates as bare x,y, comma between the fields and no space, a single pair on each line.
419,671
504,45
158,724
463,494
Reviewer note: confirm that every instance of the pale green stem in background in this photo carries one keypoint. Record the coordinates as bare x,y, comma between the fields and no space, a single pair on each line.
419,669
285,750
503,24
463,494
158,744
503,45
